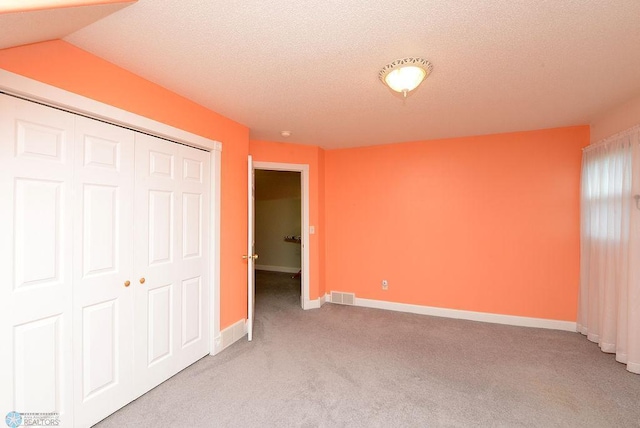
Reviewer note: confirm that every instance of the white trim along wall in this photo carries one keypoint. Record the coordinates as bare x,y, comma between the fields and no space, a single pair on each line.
229,336
460,314
14,84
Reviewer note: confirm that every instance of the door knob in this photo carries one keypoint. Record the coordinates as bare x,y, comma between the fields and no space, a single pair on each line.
142,280
127,283
254,257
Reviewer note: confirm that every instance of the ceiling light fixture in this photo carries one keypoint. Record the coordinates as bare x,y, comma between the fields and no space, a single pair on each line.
405,75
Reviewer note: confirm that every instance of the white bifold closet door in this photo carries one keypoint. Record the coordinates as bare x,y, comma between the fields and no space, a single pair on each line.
36,206
104,247
103,269
171,257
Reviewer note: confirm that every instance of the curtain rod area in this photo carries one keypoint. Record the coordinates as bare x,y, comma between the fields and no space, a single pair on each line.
610,139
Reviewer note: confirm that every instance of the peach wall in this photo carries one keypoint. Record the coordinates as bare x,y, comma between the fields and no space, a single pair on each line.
616,120
61,64
265,151
484,223
487,223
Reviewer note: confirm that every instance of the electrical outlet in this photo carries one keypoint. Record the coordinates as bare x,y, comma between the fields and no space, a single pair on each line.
385,284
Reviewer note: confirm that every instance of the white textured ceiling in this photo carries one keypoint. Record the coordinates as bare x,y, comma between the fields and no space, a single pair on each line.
21,28
311,67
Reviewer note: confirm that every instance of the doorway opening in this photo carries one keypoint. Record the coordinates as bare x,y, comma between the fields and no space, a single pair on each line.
278,228
282,224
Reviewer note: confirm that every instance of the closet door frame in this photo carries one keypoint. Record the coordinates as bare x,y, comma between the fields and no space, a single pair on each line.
14,84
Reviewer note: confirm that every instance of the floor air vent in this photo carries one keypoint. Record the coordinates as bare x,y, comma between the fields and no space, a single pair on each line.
343,298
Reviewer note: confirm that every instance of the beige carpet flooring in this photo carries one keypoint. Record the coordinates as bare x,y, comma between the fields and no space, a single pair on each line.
342,366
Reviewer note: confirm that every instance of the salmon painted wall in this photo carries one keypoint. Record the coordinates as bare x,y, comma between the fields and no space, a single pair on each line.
63,65
487,223
265,151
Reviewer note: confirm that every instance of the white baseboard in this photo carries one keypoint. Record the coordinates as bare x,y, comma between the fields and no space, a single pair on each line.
314,304
278,268
465,315
311,304
230,335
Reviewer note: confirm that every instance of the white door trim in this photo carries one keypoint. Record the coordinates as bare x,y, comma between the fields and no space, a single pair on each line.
251,244
15,84
303,169
214,253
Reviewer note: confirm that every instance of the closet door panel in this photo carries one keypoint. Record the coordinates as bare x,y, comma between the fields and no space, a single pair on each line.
194,276
161,227
38,362
38,234
192,311
158,213
36,170
160,335
103,265
171,230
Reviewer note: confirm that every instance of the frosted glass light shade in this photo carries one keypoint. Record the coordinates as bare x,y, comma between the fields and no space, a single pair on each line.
405,75
405,78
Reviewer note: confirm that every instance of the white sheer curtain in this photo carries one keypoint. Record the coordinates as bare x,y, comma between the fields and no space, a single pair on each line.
609,305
